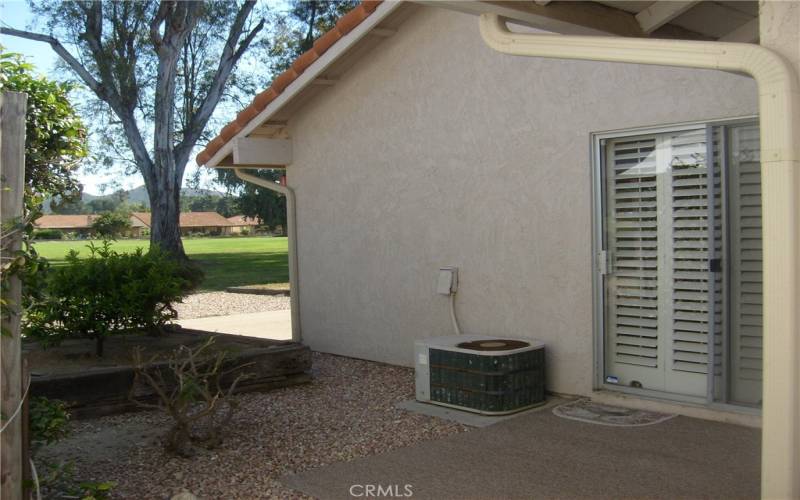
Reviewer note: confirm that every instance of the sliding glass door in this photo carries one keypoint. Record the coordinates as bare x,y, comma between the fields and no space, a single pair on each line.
681,262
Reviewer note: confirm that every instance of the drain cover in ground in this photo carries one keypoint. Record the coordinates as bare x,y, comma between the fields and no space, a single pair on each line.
585,410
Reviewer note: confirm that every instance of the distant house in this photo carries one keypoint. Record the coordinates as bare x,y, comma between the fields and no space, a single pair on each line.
190,222
195,222
82,224
241,222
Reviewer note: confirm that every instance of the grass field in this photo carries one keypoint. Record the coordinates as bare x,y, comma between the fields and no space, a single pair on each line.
225,261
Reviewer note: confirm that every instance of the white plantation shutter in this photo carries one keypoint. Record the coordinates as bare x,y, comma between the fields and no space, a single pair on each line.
690,240
657,238
720,295
632,243
746,265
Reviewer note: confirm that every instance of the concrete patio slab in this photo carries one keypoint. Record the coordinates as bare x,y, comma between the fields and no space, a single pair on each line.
539,455
275,325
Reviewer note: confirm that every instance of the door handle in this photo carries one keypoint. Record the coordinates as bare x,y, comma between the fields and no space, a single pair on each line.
715,265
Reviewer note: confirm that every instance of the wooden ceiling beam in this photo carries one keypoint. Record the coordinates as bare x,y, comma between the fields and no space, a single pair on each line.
662,12
569,18
746,33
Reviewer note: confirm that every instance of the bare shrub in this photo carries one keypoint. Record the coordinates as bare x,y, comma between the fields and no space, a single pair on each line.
195,389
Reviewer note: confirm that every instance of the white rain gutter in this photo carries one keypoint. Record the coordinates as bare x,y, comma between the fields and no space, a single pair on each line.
779,103
294,290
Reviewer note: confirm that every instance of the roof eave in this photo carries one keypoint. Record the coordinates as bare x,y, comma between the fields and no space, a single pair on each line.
303,80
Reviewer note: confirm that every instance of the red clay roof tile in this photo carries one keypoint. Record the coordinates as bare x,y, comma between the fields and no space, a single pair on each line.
284,80
324,42
203,157
344,26
352,19
263,99
304,60
229,130
370,5
245,115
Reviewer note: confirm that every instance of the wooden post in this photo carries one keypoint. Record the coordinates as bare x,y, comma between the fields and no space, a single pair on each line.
12,183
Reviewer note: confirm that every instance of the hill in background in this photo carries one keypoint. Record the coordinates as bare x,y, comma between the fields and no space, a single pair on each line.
137,196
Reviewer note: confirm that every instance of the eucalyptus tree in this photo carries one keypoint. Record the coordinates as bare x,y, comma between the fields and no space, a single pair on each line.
157,71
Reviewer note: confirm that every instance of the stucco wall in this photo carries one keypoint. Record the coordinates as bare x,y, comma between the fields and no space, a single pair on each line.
436,151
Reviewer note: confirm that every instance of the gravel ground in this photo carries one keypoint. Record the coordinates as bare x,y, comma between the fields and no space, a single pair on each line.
345,413
202,305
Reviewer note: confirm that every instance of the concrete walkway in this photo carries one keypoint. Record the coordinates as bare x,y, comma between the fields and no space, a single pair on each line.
275,325
540,455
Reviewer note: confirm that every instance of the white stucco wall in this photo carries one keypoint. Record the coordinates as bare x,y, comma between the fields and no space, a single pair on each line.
435,151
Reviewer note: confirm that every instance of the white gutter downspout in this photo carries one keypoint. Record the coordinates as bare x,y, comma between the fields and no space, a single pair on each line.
779,103
294,290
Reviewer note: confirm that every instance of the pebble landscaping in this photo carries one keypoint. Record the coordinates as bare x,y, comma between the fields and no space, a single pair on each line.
202,305
348,411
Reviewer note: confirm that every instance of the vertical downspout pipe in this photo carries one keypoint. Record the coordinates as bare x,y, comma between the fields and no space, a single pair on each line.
294,289
779,107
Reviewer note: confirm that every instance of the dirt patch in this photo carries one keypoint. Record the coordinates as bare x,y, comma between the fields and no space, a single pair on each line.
104,443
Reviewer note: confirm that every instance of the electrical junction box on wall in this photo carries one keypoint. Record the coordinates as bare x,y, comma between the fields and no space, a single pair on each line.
447,283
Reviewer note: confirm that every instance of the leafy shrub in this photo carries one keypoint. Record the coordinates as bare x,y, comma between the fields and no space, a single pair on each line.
94,490
57,480
48,234
48,420
107,293
111,224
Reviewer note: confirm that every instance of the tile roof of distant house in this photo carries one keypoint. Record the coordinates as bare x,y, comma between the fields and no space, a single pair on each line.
344,26
191,219
80,221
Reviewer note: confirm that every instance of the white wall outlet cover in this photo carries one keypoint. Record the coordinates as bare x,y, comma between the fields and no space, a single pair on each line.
447,282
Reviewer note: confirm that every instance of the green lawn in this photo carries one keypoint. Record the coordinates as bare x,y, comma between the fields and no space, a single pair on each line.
225,261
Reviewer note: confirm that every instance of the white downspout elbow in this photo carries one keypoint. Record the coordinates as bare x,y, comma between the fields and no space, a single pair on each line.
294,290
779,105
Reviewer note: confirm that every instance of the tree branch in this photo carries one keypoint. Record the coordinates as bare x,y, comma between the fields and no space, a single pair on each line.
230,56
59,49
155,25
102,91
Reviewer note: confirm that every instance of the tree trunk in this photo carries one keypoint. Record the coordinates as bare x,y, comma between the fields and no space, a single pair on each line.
165,229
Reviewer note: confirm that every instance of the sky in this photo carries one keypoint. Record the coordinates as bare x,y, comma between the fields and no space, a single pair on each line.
16,14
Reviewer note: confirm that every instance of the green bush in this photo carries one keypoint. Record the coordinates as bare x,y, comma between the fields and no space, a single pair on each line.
48,420
112,224
48,234
107,293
